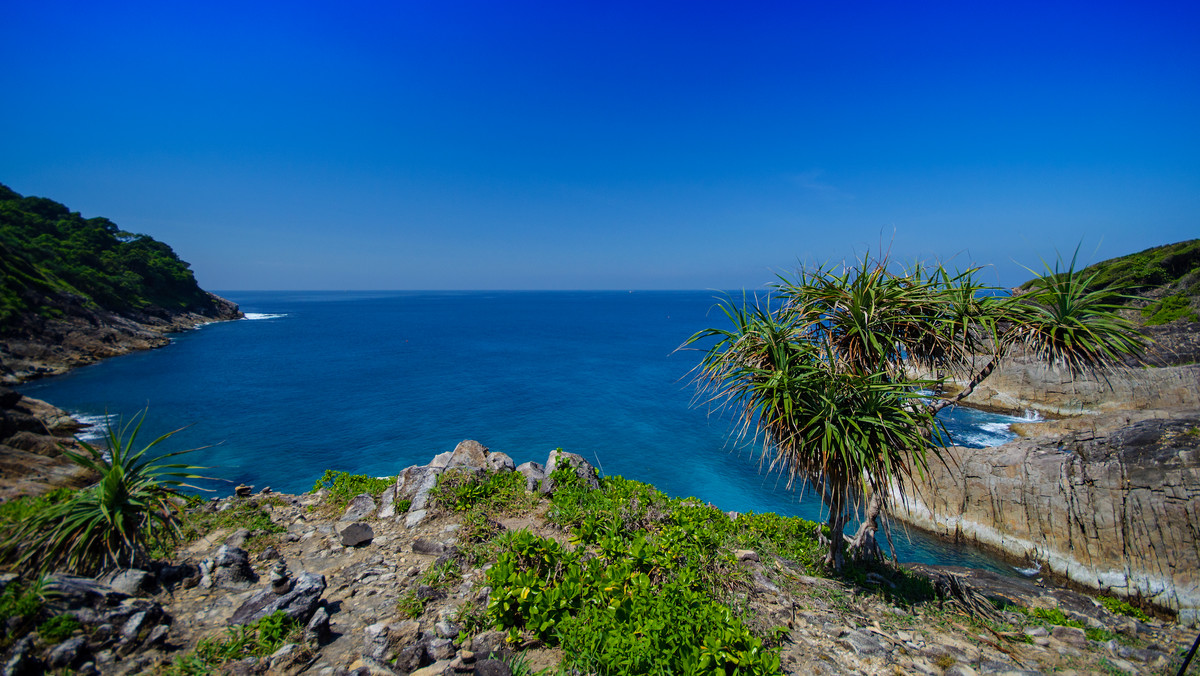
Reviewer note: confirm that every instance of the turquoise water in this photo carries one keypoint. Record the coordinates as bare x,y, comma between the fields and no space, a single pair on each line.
374,382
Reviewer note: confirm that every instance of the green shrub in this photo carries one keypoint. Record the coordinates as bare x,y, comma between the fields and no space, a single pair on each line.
111,523
21,509
1169,309
58,628
259,639
410,605
249,514
460,490
344,486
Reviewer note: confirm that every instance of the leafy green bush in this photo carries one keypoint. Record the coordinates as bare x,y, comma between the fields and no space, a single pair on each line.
199,521
344,486
21,509
111,523
460,490
260,639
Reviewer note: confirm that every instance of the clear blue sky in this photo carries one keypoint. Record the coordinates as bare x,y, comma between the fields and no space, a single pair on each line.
577,145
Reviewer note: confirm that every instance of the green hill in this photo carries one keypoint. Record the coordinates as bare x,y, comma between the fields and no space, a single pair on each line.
1165,278
50,255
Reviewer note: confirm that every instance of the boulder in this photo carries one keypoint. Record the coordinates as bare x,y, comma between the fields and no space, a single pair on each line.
360,507
317,630
231,568
534,473
469,453
414,484
500,462
68,654
300,603
583,469
387,503
132,581
357,534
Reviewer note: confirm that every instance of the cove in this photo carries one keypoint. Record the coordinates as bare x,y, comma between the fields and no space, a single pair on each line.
372,382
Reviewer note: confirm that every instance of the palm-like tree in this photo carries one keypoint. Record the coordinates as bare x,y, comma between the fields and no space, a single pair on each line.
826,378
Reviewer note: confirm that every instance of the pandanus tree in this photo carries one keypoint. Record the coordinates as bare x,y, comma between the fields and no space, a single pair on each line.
831,370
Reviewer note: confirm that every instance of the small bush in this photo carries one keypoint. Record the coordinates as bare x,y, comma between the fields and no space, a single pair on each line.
460,491
20,605
410,605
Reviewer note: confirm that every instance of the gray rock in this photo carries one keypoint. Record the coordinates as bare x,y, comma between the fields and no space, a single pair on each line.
357,534
491,644
414,518
469,453
239,537
387,503
583,469
427,546
500,462
441,460
70,591
862,643
157,635
132,582
492,668
441,648
445,629
1071,636
21,660
360,507
746,555
534,473
287,659
317,630
269,554
300,603
412,657
68,653
231,568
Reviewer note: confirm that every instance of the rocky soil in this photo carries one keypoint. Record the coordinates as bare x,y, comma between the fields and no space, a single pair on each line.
342,574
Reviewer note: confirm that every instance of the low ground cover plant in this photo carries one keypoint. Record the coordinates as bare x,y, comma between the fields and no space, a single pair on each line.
259,639
344,486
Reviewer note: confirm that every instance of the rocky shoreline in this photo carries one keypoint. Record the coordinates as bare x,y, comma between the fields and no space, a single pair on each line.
341,572
70,334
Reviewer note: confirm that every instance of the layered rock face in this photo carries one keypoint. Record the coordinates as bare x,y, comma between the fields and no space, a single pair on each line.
32,436
1114,505
1025,385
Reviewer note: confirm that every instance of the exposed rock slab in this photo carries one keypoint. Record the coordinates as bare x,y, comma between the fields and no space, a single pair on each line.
1110,509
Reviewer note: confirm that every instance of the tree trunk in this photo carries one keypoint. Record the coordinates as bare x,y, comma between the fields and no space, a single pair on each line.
864,545
966,392
835,558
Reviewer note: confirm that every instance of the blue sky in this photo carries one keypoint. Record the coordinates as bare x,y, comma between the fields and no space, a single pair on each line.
606,145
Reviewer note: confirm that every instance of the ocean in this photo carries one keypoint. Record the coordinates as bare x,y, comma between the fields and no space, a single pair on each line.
372,382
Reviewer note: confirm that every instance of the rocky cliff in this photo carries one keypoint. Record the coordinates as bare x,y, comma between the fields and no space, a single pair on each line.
1109,502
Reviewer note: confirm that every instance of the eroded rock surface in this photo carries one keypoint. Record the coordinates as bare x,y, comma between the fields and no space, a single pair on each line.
1114,507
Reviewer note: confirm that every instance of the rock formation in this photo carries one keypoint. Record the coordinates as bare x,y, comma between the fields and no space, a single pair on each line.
1110,503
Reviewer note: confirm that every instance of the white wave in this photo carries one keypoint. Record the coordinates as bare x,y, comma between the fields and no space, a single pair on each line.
1030,571
97,424
262,315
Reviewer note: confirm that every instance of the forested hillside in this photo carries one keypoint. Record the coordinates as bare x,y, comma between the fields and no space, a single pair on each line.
48,251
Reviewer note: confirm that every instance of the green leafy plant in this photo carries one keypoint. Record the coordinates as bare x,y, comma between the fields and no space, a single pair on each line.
20,605
110,523
199,520
460,490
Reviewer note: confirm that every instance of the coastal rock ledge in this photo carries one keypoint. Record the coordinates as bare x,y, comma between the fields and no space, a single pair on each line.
1109,503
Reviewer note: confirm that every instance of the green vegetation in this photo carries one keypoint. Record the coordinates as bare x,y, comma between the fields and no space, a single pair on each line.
826,378
1118,607
247,513
48,251
344,486
1056,617
260,639
648,586
20,606
1169,309
58,628
111,523
459,490
1171,271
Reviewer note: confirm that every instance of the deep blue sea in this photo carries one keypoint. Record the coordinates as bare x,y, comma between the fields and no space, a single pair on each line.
372,382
